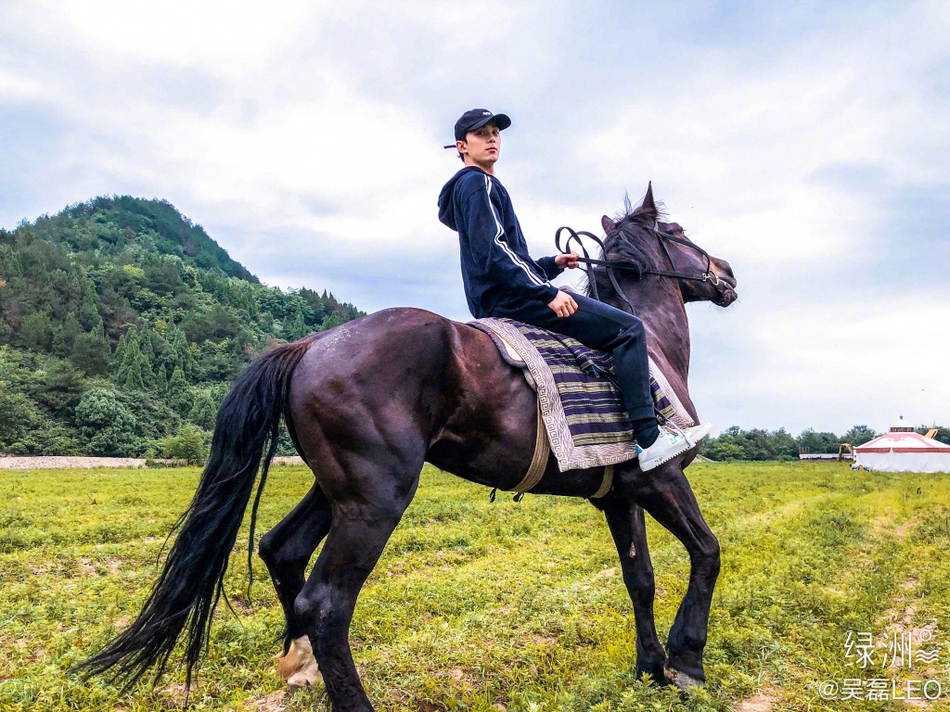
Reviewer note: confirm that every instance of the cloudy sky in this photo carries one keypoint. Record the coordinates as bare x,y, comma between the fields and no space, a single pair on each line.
807,143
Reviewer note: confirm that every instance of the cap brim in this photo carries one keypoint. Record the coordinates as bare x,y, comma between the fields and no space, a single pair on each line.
501,121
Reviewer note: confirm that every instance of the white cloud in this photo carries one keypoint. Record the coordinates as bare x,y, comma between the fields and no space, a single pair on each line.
230,38
306,138
16,89
827,364
746,140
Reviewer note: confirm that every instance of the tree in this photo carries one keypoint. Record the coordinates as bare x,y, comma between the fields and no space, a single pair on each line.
134,361
203,412
178,393
296,326
816,442
88,309
331,322
18,415
190,443
757,444
36,331
107,425
175,352
858,435
722,448
59,387
91,353
784,445
161,379
26,430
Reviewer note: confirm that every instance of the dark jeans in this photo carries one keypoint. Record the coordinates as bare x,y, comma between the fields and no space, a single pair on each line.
599,326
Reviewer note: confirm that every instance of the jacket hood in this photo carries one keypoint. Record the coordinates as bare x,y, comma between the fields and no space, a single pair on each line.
446,204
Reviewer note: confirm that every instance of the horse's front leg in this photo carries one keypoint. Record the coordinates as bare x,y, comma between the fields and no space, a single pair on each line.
628,529
665,493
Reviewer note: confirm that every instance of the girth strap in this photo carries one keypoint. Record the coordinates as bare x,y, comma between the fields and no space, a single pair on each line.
607,483
539,463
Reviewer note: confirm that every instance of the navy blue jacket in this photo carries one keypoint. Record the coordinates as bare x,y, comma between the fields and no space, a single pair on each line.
496,265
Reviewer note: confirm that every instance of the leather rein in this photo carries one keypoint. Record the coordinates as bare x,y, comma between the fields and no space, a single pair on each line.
707,276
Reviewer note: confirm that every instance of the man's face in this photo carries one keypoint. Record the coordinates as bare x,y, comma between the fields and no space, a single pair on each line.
481,147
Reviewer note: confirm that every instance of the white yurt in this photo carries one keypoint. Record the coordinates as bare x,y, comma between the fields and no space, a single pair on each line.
903,450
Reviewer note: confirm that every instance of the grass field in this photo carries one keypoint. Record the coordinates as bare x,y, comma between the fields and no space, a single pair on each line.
482,607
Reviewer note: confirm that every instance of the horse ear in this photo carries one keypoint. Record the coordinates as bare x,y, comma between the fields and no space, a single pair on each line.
648,206
608,225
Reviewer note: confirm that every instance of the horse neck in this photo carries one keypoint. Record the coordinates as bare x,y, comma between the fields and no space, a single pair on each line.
658,303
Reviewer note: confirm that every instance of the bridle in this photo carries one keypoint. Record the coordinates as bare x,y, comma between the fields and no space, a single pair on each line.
610,265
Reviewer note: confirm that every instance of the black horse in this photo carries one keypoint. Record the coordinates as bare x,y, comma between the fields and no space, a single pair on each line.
366,405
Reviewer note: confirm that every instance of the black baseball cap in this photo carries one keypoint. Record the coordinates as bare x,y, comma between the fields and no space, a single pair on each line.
475,119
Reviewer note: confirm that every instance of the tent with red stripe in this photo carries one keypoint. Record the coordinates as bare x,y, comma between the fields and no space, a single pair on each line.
903,450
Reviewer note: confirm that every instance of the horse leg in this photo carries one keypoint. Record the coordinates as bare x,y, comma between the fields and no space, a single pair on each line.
669,499
286,550
356,540
628,528
368,501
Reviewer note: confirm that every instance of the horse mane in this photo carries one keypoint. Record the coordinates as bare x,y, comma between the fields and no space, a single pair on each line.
624,245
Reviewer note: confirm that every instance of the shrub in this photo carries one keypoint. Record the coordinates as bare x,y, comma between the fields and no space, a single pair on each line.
190,443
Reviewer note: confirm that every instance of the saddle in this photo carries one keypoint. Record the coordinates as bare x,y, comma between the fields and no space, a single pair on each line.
581,415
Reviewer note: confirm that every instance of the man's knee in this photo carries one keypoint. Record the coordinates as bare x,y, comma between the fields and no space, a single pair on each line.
634,329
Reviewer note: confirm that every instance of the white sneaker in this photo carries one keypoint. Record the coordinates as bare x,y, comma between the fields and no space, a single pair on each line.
670,444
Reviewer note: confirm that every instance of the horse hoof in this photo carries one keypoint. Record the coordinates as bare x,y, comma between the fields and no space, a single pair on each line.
298,667
681,679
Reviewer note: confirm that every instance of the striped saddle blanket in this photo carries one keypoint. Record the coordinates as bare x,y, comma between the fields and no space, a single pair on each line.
578,398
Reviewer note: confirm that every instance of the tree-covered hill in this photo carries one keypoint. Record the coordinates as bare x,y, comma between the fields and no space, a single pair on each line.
122,324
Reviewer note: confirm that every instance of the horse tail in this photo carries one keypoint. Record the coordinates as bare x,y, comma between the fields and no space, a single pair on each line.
192,580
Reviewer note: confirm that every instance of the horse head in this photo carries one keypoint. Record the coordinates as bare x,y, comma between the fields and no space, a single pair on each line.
640,244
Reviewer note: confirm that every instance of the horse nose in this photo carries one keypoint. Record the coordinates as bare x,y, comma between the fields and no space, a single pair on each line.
725,269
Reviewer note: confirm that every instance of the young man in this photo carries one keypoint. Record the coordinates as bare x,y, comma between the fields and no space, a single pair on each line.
501,280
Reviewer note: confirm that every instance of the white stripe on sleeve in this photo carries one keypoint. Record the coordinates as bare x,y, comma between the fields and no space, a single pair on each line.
506,247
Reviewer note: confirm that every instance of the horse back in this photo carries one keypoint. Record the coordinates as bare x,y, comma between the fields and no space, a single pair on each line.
408,385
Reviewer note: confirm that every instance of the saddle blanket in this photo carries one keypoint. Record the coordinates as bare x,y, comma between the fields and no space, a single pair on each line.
578,398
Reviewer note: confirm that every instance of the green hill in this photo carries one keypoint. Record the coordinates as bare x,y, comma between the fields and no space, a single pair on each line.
122,324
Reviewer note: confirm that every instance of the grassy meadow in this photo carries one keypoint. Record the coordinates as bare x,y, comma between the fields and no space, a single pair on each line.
505,606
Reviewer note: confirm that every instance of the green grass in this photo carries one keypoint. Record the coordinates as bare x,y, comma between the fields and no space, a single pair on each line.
478,606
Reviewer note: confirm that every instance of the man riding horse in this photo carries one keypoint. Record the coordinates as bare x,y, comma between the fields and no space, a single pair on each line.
501,280
367,403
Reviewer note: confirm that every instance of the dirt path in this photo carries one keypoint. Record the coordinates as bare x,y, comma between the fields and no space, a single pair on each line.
760,702
90,463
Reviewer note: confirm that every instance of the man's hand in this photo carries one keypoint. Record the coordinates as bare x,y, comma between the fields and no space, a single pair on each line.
567,260
563,304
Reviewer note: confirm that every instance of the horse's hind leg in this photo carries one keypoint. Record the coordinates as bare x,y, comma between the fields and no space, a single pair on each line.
628,529
665,493
286,550
366,510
